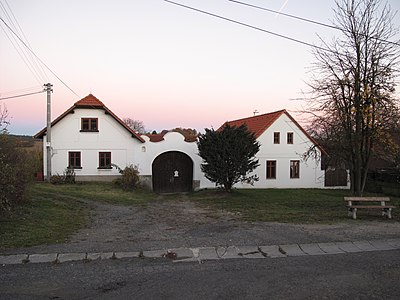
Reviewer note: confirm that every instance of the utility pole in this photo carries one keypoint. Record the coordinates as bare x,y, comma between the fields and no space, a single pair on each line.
48,89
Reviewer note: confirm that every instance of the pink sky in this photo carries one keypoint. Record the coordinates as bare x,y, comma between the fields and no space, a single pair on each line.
159,63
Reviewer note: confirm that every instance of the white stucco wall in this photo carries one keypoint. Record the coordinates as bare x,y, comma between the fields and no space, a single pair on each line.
311,175
112,137
173,141
125,150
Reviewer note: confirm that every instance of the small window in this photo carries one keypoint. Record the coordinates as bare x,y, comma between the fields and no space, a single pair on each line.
271,169
277,137
89,124
74,160
290,137
104,160
294,169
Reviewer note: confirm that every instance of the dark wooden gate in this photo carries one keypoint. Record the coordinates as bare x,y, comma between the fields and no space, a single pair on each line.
172,172
336,177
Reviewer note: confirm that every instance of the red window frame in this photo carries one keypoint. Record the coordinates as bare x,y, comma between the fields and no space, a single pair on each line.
105,160
74,160
290,137
295,169
89,125
277,137
271,169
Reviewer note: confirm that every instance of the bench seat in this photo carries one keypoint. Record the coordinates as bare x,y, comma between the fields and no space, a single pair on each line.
355,203
367,199
371,206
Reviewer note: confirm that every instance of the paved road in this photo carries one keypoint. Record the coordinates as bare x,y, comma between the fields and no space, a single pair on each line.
360,275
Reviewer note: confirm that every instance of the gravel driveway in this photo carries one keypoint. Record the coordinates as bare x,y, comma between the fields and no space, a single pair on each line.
182,223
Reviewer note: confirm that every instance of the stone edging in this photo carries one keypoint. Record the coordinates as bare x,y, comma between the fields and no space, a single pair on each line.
212,253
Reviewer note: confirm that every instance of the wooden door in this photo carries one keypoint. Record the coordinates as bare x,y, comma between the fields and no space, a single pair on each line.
172,172
336,177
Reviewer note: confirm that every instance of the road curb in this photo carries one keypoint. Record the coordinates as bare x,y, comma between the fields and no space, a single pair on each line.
211,253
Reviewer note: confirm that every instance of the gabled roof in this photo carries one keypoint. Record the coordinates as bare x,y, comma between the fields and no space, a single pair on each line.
90,101
259,124
256,124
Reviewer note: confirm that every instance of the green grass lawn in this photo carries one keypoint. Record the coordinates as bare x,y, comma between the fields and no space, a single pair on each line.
96,191
285,205
47,218
55,212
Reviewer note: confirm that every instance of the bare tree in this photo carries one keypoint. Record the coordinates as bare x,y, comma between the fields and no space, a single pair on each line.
353,84
135,125
4,122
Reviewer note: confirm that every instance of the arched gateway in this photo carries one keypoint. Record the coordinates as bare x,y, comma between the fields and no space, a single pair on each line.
172,172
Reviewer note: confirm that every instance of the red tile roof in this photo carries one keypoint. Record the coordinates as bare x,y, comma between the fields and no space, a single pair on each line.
89,101
155,137
258,124
160,137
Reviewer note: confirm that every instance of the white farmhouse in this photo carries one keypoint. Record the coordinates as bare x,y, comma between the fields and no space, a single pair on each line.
283,145
89,137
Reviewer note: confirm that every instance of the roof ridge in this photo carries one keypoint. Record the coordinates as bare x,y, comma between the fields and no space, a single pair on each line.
246,118
257,124
89,100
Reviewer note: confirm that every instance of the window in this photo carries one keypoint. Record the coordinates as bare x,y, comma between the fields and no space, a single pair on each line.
104,160
74,160
89,124
294,169
290,137
271,169
277,137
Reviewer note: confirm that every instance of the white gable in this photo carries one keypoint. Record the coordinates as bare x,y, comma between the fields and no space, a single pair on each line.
111,137
311,175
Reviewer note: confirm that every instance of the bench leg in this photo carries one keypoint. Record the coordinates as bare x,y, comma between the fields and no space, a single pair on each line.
387,212
349,212
354,213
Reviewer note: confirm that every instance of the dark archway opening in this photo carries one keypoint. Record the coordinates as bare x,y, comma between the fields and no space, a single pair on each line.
172,172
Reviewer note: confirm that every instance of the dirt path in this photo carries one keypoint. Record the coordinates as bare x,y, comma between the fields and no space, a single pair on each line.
181,223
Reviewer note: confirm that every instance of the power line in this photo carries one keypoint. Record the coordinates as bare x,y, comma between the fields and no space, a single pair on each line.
305,20
25,90
286,15
39,67
17,96
250,26
17,47
51,71
22,52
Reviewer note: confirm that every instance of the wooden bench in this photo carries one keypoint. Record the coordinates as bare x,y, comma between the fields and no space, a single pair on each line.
355,203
